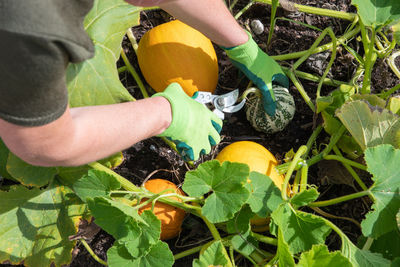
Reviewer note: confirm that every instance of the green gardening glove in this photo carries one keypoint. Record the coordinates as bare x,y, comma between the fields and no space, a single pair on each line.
259,68
194,128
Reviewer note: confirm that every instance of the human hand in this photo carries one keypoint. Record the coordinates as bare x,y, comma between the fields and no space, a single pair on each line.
259,68
194,128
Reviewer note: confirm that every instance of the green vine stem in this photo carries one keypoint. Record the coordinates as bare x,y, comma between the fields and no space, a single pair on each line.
244,10
295,184
346,161
319,11
132,39
265,239
282,168
122,69
129,186
314,78
301,90
304,177
296,159
134,74
369,62
338,200
328,215
187,252
94,256
312,140
368,243
392,64
350,170
319,49
386,94
274,7
214,233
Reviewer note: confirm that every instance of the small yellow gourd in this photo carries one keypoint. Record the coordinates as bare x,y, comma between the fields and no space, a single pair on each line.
175,52
171,217
255,155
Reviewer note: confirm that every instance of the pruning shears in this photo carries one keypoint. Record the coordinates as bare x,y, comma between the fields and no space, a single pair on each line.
221,103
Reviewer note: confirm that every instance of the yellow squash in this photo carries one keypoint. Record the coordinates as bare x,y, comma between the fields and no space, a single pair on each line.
255,155
171,217
175,52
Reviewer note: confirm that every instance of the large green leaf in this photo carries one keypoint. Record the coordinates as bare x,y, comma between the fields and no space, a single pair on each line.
95,184
370,126
361,258
300,230
319,255
381,244
95,81
212,256
285,257
159,255
27,174
383,164
35,225
225,185
265,197
377,12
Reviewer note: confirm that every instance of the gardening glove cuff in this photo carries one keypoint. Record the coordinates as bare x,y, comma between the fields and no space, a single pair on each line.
259,68
194,128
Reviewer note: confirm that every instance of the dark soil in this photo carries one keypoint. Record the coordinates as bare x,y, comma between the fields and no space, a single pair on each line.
148,156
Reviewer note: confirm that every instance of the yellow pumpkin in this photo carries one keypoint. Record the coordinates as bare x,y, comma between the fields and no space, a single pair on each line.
255,155
260,160
175,52
171,217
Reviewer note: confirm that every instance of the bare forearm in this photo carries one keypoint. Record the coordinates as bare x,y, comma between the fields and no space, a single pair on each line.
87,134
211,17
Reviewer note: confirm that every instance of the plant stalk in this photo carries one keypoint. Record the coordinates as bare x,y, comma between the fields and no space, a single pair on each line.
346,161
134,74
94,256
265,239
296,159
337,200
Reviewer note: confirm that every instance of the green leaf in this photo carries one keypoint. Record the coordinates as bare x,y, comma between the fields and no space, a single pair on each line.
335,99
35,225
27,174
226,185
4,152
388,244
159,255
383,164
240,223
212,256
319,255
361,258
245,243
265,197
285,257
96,81
394,105
376,13
95,184
368,125
304,197
300,230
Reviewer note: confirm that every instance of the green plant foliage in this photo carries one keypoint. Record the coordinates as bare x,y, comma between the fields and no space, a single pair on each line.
245,243
27,174
225,182
4,152
240,223
396,31
300,230
158,255
319,255
96,81
95,184
304,197
380,244
376,13
370,126
35,225
284,255
265,197
212,256
383,164
361,258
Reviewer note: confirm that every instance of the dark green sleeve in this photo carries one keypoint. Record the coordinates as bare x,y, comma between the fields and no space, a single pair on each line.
38,39
32,79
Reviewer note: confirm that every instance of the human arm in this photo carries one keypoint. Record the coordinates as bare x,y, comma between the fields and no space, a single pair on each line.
212,18
86,134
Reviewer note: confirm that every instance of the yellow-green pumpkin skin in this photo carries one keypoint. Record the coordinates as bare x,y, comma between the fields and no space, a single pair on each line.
175,52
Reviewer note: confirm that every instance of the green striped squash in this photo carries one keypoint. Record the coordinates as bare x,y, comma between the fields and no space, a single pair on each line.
261,121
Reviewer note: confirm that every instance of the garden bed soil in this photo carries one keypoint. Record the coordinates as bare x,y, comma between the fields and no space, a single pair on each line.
153,158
